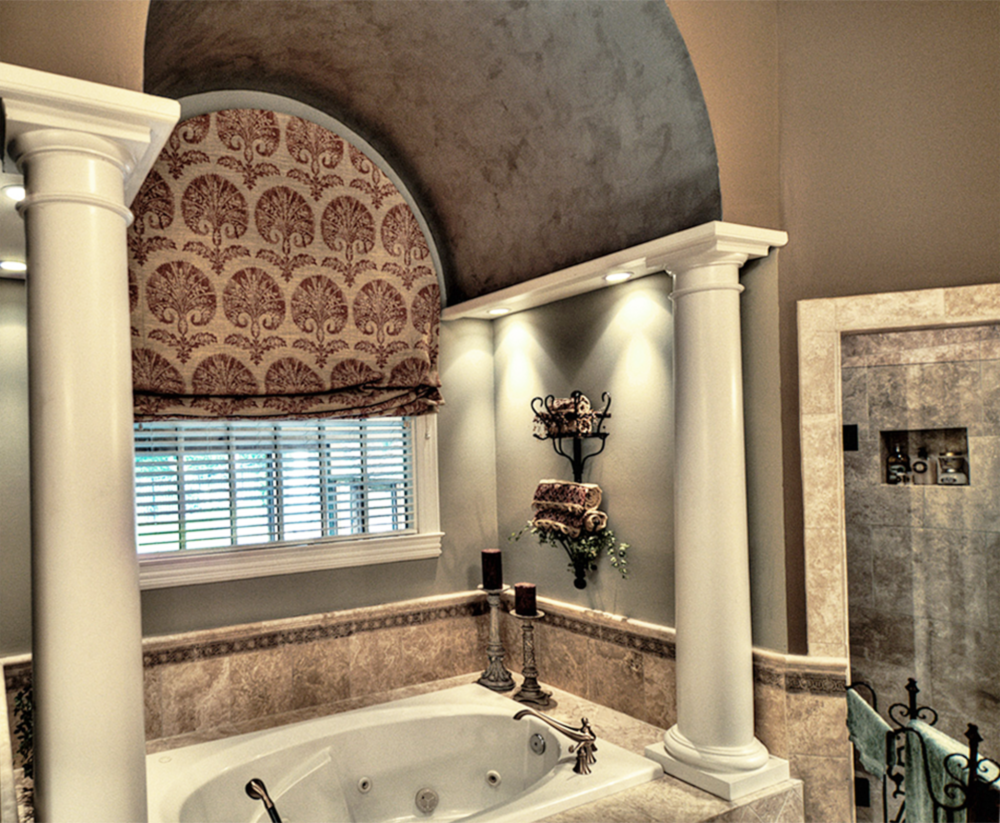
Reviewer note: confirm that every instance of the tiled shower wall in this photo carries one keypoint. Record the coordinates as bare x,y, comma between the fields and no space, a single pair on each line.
923,561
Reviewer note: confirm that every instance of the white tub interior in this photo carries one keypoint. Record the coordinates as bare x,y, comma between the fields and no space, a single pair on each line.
367,766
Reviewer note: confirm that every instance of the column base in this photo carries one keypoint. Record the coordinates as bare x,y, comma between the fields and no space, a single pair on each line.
729,784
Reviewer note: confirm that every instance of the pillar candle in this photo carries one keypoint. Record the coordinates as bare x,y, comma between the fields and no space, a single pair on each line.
524,599
492,570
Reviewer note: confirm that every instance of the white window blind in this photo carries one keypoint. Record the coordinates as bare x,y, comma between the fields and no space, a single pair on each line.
222,483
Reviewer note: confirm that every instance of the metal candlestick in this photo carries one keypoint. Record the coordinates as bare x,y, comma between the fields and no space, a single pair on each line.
530,691
496,677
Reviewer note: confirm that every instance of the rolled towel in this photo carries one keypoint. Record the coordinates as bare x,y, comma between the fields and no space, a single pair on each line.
562,494
594,521
867,731
558,520
568,404
565,417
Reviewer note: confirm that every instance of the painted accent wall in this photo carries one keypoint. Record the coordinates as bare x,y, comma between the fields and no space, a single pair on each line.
15,516
619,341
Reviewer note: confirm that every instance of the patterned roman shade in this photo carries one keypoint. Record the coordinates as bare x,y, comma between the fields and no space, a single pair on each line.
275,271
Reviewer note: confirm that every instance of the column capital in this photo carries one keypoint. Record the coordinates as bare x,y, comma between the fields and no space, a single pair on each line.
715,244
138,124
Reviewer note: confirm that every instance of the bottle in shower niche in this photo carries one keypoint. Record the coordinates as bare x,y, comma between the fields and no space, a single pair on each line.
921,468
897,466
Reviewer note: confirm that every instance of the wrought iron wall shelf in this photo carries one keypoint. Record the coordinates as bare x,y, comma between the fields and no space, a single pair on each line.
574,422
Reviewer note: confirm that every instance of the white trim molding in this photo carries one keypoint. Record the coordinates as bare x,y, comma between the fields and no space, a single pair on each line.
82,145
678,251
167,569
138,124
161,570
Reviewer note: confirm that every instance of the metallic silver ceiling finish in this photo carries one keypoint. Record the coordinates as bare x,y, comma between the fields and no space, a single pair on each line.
535,135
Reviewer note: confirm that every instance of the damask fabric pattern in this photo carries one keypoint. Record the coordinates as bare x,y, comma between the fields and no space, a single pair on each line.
568,508
562,494
566,417
274,271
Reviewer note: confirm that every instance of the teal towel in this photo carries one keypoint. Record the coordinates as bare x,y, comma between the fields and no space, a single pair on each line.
868,734
919,808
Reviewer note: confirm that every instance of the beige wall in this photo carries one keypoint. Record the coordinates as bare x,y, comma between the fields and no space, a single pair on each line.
97,40
875,124
890,168
732,44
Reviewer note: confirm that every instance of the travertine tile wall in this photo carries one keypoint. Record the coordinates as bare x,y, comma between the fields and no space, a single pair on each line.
213,681
210,679
821,324
799,702
923,561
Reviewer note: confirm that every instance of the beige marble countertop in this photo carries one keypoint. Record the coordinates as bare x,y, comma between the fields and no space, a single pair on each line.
666,799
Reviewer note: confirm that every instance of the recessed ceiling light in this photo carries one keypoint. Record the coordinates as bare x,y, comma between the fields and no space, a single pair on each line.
497,312
12,270
15,193
617,277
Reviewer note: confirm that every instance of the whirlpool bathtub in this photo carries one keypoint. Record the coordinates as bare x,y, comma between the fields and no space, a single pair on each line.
456,754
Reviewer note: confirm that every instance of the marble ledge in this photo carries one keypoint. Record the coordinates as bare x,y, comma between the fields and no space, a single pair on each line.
686,803
606,620
872,312
771,667
961,305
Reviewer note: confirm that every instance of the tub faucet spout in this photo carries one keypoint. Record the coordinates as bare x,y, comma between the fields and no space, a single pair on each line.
258,791
585,741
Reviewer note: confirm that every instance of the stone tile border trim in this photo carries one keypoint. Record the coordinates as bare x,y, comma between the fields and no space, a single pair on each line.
792,673
255,637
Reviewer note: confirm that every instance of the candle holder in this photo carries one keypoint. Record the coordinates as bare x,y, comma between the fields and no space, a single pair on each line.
496,676
530,691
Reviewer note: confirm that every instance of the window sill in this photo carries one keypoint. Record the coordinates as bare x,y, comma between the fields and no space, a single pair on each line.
160,571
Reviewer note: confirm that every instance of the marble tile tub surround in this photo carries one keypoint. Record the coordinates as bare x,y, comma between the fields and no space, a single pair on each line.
924,561
210,683
628,665
687,804
205,679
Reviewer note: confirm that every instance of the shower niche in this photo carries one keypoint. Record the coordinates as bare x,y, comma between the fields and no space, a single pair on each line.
925,457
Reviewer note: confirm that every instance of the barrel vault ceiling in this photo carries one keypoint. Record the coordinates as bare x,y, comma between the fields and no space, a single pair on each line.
534,134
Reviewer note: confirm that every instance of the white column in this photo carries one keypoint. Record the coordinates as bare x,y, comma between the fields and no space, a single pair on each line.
713,744
80,147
